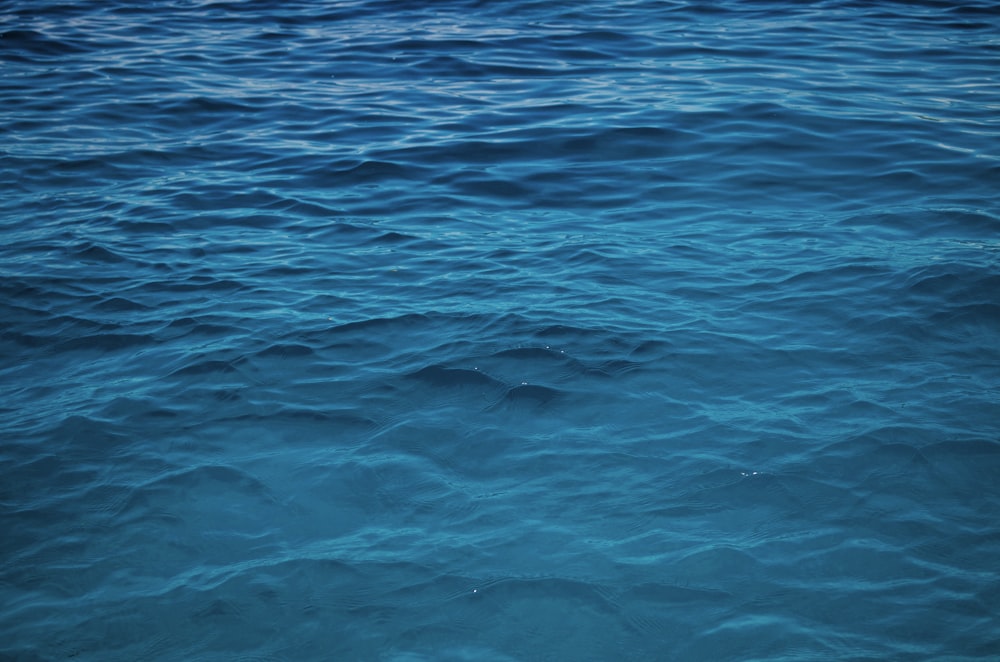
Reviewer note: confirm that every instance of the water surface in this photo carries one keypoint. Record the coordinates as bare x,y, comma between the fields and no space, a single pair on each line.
464,330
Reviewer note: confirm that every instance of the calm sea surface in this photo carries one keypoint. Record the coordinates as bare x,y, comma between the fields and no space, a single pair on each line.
481,330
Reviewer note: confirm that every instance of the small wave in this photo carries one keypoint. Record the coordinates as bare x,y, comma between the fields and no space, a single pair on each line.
531,354
203,366
529,395
455,377
97,253
286,350
105,342
26,45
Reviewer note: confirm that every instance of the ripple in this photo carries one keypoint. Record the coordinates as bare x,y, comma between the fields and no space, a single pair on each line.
513,330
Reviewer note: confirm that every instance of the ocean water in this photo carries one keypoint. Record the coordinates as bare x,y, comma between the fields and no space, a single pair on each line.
480,330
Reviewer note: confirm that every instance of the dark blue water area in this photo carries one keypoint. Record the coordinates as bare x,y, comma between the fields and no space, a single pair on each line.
475,330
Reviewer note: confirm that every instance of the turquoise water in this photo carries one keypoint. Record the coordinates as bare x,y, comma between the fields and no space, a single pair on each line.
397,330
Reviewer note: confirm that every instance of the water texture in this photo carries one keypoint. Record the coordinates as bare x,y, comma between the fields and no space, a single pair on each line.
458,330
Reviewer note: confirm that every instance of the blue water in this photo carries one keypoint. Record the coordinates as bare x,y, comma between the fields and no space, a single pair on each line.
473,330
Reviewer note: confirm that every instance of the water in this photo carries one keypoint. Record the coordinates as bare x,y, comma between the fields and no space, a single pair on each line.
397,330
